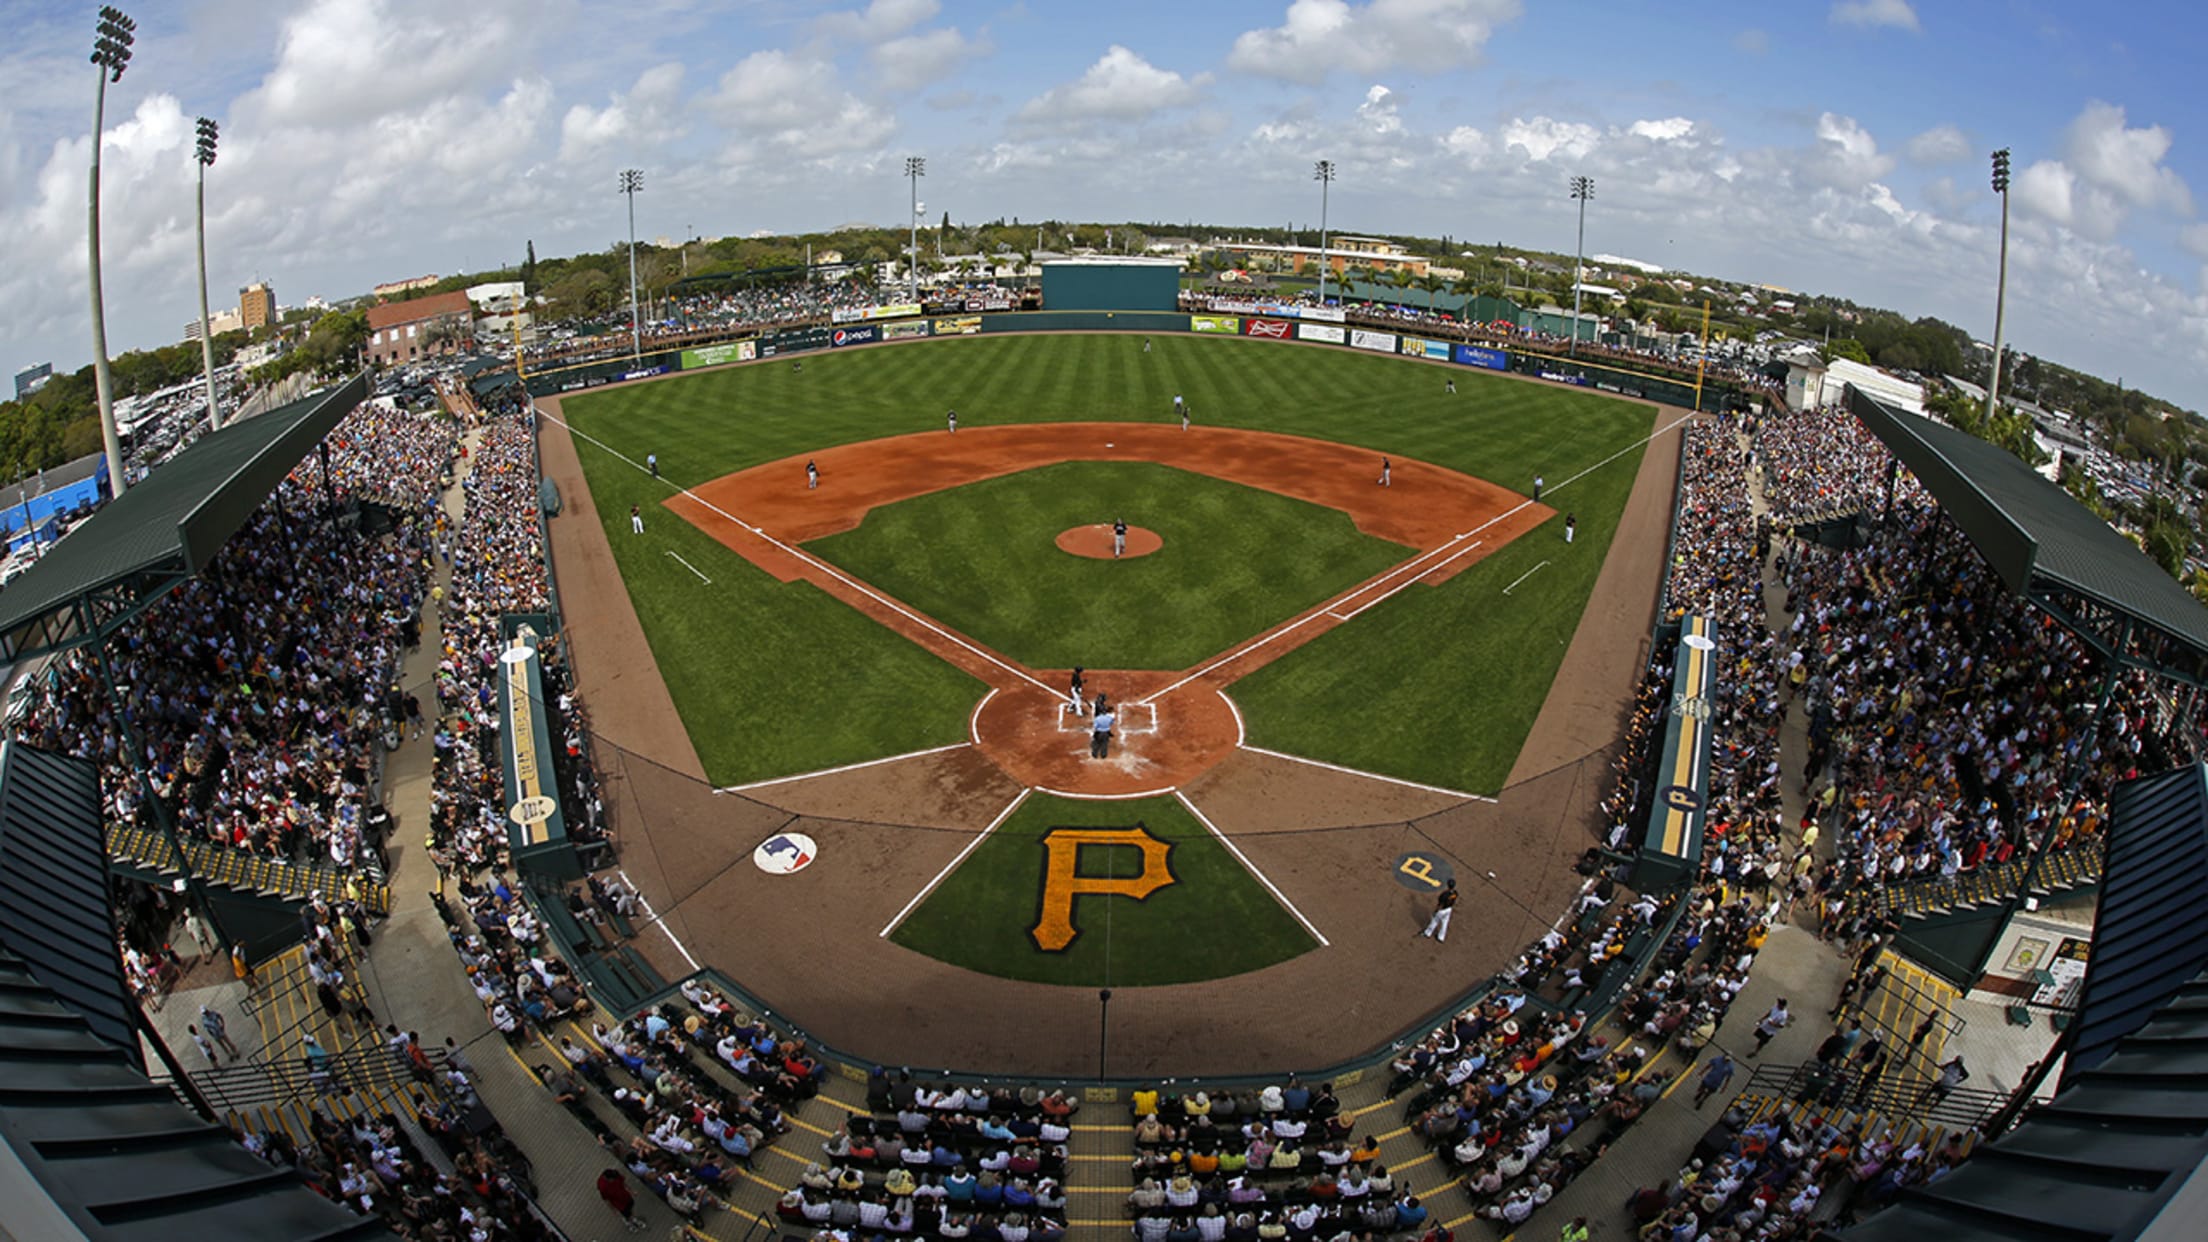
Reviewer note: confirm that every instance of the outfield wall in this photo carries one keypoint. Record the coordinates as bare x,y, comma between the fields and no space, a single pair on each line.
1316,325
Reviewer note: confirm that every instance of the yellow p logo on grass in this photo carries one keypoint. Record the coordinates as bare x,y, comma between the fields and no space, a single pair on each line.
1062,882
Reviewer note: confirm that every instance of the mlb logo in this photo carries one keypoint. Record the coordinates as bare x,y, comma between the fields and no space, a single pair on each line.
785,853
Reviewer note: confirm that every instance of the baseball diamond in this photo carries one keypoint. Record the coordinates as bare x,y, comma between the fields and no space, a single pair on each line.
1308,675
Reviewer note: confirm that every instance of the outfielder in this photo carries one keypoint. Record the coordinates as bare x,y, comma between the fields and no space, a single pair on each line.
1438,925
636,519
952,420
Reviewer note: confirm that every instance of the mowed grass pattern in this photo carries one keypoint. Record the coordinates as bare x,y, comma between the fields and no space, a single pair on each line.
774,679
1214,920
984,560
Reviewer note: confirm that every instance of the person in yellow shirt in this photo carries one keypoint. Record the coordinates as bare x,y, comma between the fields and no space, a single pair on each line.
1146,1101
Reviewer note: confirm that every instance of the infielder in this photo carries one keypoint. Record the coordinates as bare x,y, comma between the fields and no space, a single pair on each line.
1119,536
1537,487
1387,470
812,476
1438,925
952,420
1571,523
1184,418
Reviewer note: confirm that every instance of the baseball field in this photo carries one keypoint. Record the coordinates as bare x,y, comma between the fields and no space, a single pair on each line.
1429,677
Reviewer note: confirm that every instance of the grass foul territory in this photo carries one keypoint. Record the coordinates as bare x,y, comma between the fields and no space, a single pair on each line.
983,560
1204,915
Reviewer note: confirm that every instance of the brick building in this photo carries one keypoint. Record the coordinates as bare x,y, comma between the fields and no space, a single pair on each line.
256,305
406,331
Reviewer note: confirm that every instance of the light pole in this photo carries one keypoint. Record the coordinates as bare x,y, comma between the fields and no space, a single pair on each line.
204,154
1323,173
2001,283
632,180
916,167
1103,1026
1583,188
111,52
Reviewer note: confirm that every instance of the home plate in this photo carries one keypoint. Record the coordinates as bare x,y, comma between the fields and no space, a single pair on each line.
1110,444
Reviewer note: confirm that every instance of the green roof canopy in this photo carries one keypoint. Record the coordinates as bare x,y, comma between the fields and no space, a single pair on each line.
158,534
2048,547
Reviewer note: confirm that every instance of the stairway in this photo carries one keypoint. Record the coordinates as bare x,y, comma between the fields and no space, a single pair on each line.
2062,871
144,853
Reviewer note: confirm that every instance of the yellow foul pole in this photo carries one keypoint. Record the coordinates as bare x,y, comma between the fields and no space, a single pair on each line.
1702,359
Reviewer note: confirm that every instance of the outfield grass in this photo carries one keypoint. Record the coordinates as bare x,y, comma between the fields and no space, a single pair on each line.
773,680
984,560
1214,920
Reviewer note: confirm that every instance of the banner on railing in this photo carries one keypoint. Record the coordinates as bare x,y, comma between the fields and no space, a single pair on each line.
1420,347
1276,329
1325,332
1383,342
862,314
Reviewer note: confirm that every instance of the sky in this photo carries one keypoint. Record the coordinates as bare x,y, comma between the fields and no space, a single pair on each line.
1831,147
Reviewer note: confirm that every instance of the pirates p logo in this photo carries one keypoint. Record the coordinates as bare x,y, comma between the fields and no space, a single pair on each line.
1063,879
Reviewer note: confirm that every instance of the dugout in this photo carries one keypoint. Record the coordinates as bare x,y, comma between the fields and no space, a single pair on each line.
1105,282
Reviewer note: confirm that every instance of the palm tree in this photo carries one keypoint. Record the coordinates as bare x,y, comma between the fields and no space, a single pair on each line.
1435,286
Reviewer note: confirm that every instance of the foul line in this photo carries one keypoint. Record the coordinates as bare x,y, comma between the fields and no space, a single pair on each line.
653,916
687,565
1370,776
1270,887
952,865
1406,567
848,767
1352,613
814,561
1522,577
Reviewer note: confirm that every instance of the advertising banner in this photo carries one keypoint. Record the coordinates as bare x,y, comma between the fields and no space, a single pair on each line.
1381,341
1215,323
644,372
855,336
964,325
1481,356
861,314
990,302
1235,307
1321,332
1277,329
1561,378
716,355
1324,314
907,331
1420,347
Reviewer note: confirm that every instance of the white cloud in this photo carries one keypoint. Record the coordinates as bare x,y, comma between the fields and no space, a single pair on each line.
1120,86
1752,42
340,60
1846,156
1317,37
2053,191
641,117
1378,112
1670,129
778,105
2124,161
1542,137
915,61
2194,238
1941,144
880,21
1871,14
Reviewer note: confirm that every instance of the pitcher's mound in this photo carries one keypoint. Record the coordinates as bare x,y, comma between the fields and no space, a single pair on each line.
1096,541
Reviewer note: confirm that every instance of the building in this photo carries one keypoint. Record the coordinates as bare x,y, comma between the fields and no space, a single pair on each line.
32,378
218,323
1338,258
1812,383
397,287
256,305
501,308
400,332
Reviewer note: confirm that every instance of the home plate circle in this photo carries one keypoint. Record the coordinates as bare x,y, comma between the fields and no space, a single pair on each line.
785,853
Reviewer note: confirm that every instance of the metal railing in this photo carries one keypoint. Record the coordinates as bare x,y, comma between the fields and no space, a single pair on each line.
1838,1092
249,1084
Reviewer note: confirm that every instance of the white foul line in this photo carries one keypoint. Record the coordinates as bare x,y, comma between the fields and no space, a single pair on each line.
1522,577
692,568
814,561
848,767
1382,599
654,917
1251,867
952,865
1323,609
1370,776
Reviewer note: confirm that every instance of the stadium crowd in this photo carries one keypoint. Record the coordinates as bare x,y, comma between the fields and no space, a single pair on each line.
675,322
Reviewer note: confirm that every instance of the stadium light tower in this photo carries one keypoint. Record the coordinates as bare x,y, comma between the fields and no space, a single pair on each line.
632,180
204,155
916,167
2001,283
1323,173
1583,188
111,52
